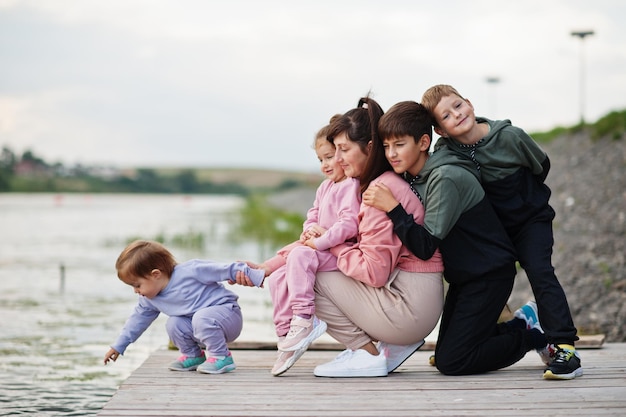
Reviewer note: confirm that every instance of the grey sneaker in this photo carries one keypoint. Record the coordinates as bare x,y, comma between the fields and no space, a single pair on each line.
397,354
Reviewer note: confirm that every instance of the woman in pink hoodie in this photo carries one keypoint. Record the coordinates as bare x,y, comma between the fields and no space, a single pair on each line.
383,301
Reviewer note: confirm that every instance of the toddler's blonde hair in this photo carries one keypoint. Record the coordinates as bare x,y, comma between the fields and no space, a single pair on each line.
140,257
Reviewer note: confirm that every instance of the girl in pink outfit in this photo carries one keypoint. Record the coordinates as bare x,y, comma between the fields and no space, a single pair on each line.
383,293
331,221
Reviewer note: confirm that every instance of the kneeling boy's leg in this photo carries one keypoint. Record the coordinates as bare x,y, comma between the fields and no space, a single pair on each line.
471,342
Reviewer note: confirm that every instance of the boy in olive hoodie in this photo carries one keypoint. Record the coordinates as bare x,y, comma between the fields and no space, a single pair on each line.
478,256
512,169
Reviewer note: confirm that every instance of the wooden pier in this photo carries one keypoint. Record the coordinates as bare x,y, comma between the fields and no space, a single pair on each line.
416,389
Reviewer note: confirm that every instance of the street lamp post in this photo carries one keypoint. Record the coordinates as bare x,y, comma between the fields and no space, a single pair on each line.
493,81
582,34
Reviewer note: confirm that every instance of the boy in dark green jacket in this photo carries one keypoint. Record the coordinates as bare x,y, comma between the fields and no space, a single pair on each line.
478,256
512,169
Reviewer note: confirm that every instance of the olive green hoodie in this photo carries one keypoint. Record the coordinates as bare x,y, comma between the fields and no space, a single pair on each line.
458,220
512,170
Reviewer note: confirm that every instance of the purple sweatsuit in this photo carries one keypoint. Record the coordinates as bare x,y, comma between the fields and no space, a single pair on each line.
200,309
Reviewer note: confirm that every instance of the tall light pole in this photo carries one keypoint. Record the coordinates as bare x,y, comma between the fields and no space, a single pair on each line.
493,81
582,34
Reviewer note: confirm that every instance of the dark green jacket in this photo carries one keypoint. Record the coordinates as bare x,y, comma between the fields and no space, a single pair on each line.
458,219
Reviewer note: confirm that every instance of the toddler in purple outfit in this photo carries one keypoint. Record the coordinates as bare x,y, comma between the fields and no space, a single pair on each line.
202,312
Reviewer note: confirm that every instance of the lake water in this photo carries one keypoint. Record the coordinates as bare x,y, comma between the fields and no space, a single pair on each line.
61,303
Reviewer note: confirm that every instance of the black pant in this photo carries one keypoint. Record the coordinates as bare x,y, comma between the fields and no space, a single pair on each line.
470,340
533,244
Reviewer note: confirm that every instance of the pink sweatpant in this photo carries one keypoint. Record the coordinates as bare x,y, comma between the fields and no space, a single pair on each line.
291,285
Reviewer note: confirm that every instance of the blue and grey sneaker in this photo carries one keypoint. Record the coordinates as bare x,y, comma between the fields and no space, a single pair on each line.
528,313
185,363
217,365
566,364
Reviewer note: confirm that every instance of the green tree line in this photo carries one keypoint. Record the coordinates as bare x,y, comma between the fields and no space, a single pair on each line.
30,173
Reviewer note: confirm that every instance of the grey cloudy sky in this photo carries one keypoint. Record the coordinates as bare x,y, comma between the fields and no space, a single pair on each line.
248,83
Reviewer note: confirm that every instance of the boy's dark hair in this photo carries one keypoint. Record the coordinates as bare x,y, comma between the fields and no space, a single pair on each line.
406,118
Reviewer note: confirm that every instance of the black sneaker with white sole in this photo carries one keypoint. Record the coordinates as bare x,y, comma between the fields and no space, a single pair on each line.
566,365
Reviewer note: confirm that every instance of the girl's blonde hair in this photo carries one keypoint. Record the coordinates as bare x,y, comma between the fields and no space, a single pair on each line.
322,134
140,257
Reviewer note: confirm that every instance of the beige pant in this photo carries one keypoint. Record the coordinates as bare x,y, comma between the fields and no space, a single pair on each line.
402,312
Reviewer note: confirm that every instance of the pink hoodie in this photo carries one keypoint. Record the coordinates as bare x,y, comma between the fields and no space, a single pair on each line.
335,208
378,250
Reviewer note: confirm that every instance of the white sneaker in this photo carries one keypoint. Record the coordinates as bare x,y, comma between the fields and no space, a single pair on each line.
353,363
302,332
397,354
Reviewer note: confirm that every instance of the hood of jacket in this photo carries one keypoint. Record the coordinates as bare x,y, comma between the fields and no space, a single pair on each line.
443,155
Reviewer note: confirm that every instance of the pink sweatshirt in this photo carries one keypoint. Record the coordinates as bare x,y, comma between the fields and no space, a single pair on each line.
335,208
378,250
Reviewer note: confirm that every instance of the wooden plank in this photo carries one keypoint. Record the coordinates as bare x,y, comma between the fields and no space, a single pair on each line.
590,341
585,342
417,389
